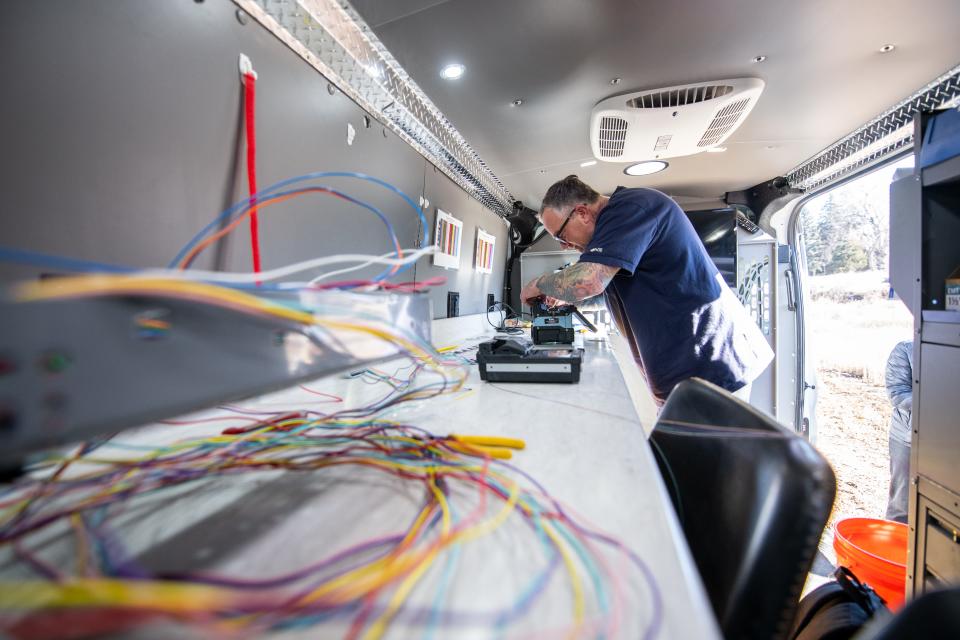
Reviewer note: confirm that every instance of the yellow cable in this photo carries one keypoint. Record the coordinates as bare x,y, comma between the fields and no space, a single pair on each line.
490,441
578,601
80,538
401,565
153,595
362,572
379,625
498,453
59,288
472,533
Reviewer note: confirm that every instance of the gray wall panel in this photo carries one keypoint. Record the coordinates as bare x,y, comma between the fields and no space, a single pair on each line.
121,134
114,148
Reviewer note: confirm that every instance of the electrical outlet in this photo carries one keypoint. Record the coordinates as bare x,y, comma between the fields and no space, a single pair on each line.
490,301
453,304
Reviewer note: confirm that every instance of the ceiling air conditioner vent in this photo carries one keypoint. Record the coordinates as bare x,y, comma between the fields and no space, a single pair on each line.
679,96
723,122
672,121
613,134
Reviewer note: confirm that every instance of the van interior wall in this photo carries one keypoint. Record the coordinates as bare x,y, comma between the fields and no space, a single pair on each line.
123,136
545,243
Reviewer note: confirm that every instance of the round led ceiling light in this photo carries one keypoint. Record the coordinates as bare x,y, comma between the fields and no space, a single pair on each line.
646,168
452,71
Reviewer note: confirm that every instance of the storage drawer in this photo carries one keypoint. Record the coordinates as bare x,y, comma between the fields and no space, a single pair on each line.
946,333
934,559
937,415
942,558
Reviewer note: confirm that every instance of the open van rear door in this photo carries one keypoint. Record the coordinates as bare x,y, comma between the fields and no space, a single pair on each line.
804,387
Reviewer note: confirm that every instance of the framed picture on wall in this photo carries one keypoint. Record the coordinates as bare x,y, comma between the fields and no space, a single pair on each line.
483,258
448,233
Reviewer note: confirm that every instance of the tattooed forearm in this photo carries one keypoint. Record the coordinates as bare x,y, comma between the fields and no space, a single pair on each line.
596,303
578,282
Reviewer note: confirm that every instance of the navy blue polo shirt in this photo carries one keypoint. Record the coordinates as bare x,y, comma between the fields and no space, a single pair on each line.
668,298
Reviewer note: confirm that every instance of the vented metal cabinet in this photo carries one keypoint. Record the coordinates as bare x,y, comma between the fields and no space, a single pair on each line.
925,227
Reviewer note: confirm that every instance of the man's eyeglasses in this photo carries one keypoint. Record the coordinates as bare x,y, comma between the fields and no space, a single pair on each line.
559,234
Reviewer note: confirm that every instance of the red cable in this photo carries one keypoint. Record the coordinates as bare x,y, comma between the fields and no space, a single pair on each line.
249,103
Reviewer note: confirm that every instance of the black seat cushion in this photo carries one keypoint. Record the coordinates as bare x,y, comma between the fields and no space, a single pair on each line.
752,498
933,616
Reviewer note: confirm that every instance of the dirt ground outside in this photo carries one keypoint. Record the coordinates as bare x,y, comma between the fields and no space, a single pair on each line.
854,327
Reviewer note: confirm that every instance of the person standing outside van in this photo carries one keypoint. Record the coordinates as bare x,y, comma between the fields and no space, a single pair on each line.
899,381
664,292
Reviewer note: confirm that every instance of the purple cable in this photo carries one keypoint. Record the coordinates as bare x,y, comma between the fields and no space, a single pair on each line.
38,565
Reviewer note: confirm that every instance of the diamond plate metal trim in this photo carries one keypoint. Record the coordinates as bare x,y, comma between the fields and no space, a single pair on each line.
885,135
333,38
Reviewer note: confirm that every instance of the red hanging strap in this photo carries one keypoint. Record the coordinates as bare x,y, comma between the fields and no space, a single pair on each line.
249,112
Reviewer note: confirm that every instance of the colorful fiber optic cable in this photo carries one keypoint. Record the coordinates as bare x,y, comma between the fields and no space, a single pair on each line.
274,193
229,219
470,503
257,205
368,584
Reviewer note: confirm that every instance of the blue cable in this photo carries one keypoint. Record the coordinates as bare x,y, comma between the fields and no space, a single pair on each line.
536,586
247,202
243,209
10,254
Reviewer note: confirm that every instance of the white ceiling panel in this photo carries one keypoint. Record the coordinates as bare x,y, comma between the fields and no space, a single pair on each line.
824,75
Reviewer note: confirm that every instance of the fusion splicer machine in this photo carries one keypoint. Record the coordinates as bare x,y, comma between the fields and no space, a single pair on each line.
516,360
551,360
554,325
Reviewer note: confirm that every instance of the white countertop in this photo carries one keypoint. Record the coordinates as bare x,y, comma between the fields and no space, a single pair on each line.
587,447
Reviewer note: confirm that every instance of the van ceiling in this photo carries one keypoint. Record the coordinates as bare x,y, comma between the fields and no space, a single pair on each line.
824,75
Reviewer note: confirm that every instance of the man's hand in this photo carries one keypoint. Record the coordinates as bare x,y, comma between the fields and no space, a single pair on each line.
531,291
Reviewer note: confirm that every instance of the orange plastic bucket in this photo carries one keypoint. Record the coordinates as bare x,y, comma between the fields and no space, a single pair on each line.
876,551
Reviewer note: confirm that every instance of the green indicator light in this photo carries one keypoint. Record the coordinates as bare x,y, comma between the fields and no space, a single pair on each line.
56,362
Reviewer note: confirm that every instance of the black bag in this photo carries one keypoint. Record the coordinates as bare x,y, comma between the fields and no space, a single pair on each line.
836,610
